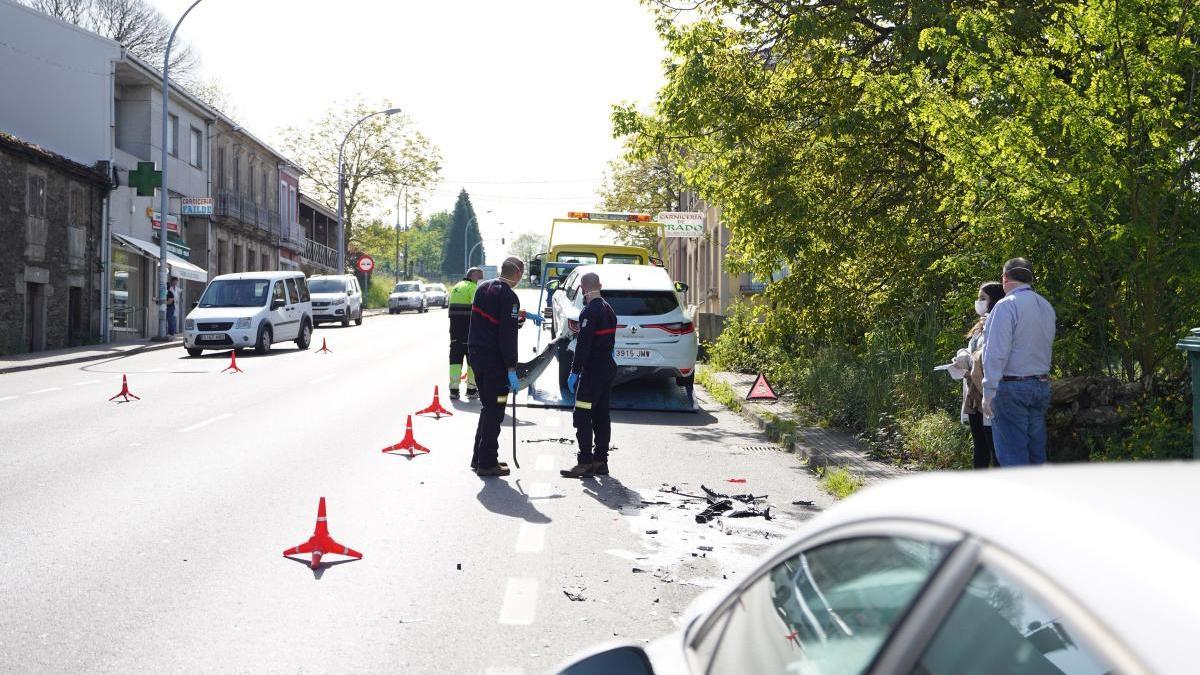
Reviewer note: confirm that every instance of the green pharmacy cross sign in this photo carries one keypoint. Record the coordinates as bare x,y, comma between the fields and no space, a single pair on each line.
145,179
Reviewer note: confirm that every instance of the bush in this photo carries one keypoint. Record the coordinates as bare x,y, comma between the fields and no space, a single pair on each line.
380,289
839,482
1159,428
936,440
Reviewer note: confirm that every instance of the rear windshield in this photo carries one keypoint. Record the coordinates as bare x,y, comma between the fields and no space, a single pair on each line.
641,303
437,287
406,288
580,258
326,285
236,293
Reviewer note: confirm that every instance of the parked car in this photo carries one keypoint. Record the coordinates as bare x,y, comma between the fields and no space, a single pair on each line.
1075,570
408,295
336,297
436,294
250,309
655,338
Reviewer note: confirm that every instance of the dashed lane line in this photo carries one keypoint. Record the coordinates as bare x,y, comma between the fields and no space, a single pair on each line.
520,602
45,391
531,538
211,420
7,398
503,670
86,382
325,378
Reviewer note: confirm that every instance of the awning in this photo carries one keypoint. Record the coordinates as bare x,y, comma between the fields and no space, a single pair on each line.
179,267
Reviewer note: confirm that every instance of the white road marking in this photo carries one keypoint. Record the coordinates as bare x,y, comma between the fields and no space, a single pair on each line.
531,538
503,670
326,378
86,382
152,370
7,398
520,601
45,391
544,463
206,422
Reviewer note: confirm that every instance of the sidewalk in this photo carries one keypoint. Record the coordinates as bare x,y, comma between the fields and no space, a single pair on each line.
820,447
59,357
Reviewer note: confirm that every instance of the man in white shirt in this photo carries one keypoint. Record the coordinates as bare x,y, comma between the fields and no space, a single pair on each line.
1018,340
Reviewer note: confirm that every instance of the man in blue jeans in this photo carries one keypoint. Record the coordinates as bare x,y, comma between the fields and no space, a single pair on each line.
1018,339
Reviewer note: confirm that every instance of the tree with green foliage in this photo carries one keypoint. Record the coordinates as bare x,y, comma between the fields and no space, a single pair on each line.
641,183
464,224
527,245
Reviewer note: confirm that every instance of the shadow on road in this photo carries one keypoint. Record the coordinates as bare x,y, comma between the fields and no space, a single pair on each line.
612,493
500,498
319,570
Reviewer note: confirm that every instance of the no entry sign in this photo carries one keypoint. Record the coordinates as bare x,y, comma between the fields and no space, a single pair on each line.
365,264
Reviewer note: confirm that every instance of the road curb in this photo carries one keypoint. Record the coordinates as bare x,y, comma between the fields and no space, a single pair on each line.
4,370
819,447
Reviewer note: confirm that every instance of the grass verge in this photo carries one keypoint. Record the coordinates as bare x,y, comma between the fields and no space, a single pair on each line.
720,391
839,482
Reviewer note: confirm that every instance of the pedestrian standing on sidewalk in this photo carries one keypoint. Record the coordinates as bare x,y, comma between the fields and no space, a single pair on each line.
591,378
461,297
172,303
1018,339
969,367
496,317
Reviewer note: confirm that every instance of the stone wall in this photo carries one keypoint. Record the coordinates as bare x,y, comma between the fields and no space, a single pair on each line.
1086,413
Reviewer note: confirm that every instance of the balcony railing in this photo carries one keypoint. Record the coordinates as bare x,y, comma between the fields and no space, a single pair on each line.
320,254
292,237
229,204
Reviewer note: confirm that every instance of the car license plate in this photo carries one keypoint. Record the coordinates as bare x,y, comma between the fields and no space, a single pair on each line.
634,354
211,338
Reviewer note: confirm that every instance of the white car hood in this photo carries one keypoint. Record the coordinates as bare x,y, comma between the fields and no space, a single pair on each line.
228,313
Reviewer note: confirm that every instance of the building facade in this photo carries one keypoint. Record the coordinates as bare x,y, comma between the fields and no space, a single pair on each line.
50,224
319,225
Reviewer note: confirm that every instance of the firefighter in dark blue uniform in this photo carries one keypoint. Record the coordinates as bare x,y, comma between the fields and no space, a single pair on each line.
591,378
492,352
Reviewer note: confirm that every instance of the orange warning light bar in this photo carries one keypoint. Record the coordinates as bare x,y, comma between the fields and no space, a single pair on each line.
627,217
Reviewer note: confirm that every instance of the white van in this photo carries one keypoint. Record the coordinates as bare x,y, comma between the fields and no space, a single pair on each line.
251,309
336,297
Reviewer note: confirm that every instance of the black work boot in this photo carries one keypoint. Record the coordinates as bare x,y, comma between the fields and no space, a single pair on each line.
472,392
498,470
454,394
475,467
600,468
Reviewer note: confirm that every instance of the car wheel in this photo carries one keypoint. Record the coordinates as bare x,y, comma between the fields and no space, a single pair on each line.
564,367
358,320
346,321
265,337
194,352
553,329
305,337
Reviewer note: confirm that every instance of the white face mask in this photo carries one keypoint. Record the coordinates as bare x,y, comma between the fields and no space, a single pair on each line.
981,307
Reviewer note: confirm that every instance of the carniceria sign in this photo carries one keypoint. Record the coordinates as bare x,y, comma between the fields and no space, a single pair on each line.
682,223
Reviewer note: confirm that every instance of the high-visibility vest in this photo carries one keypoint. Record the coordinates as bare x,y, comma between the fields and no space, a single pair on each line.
461,297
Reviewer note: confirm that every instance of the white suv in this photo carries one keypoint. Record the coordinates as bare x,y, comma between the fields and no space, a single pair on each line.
655,338
336,298
251,309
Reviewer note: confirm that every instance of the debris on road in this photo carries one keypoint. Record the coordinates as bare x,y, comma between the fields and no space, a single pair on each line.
560,439
705,548
651,531
802,502
575,593
736,480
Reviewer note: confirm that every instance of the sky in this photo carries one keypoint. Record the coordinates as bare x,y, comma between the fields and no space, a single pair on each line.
516,94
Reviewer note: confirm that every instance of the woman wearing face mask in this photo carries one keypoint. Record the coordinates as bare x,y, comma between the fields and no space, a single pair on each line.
968,366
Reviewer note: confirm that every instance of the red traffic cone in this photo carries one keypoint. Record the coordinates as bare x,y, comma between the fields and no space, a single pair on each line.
435,408
324,348
233,366
409,443
320,543
125,394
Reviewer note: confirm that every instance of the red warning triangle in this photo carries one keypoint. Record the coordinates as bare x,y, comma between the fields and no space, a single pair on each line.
762,390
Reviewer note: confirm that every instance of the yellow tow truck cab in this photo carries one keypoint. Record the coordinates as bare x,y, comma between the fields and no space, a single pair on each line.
564,256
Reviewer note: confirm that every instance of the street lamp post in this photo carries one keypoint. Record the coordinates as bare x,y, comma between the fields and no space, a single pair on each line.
341,180
164,203
466,237
398,231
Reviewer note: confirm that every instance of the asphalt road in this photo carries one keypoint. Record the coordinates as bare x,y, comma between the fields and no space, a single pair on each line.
147,536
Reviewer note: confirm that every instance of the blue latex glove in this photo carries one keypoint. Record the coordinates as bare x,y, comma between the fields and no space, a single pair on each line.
535,318
572,382
513,384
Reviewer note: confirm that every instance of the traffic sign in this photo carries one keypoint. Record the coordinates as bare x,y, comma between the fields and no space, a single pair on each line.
365,264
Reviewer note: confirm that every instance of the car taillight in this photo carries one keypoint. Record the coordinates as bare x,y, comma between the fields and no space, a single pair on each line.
676,328
573,325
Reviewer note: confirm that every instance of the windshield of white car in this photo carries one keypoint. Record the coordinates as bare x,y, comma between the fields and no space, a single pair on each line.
326,286
406,288
438,287
236,293
641,303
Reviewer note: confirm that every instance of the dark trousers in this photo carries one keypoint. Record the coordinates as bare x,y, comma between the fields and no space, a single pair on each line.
460,327
492,380
593,425
171,320
981,440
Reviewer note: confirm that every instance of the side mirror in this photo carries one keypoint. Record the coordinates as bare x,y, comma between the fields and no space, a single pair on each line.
627,660
349,292
552,285
277,304
681,287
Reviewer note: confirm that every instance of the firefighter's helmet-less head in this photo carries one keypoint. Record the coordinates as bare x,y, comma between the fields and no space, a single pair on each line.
474,274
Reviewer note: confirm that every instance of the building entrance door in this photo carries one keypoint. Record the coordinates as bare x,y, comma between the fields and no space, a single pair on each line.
35,317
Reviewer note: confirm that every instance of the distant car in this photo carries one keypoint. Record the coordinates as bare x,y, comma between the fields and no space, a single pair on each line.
1066,570
655,338
436,294
408,295
336,298
251,309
